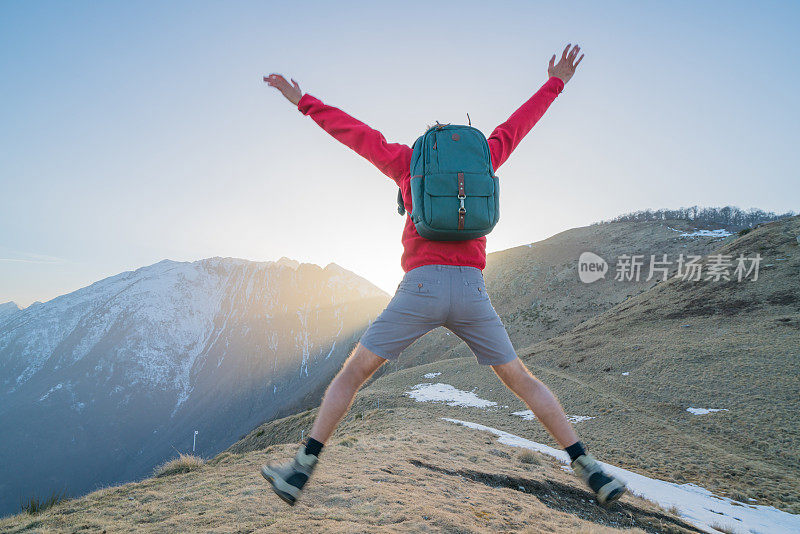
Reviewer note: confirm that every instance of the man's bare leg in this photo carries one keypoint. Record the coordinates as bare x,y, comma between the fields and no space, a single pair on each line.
287,479
358,367
542,402
548,410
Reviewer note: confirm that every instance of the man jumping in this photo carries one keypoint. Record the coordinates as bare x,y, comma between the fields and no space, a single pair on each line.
443,285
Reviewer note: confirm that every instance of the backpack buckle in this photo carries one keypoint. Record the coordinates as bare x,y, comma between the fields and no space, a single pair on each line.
462,194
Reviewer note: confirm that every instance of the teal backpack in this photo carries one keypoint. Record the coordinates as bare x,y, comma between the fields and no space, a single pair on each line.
454,191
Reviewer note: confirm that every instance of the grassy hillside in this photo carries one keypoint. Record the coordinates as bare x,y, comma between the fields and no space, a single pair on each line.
723,345
385,470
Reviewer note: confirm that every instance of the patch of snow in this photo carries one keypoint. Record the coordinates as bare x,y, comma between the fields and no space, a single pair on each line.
332,347
272,341
579,418
449,394
704,411
626,373
704,233
431,375
52,389
529,416
303,339
694,503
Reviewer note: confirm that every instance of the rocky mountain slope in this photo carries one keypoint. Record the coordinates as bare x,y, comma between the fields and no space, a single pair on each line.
100,385
7,310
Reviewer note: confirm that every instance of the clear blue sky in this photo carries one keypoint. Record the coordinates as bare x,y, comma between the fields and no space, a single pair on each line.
131,132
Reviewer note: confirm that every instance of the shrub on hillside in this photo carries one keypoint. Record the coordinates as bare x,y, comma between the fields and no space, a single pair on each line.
349,441
34,504
723,528
182,464
529,457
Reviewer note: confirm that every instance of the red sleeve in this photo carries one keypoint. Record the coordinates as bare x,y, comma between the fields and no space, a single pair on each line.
392,159
505,138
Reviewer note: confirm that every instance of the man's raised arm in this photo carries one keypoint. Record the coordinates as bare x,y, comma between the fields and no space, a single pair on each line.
505,138
392,159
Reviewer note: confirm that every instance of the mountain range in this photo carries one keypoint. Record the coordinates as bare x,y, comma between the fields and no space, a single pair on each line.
100,385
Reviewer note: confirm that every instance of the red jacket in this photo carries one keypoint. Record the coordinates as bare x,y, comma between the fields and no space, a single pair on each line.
394,160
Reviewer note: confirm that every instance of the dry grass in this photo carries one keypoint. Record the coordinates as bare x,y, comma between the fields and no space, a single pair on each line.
35,504
287,430
529,457
182,464
349,441
422,481
723,528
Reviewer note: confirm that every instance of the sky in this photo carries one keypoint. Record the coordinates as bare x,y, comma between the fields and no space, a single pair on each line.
132,132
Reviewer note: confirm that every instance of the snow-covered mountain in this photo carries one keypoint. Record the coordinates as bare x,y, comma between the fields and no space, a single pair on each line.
7,310
100,385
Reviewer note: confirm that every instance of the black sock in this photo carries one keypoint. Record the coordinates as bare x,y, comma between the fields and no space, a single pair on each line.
313,446
575,450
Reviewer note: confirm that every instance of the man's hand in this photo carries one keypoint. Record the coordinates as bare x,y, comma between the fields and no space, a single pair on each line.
564,69
292,94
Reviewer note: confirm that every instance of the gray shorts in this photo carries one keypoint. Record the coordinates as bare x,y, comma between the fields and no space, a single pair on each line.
452,296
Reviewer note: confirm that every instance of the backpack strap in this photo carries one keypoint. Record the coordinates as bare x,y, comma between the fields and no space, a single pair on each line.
401,208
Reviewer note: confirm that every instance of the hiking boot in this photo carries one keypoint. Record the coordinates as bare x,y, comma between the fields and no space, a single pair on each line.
607,488
288,479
